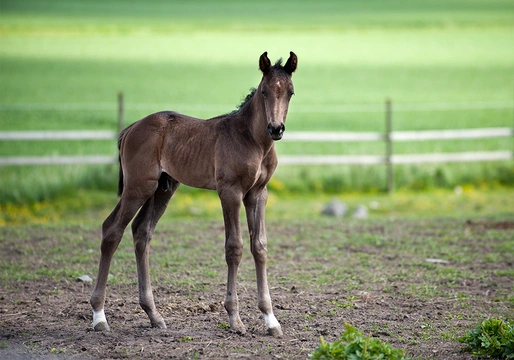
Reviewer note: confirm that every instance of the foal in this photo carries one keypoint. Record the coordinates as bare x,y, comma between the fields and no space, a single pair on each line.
233,154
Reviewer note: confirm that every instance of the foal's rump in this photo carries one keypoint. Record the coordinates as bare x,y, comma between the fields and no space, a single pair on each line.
139,152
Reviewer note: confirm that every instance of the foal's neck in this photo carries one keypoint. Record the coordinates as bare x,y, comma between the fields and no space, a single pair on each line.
252,118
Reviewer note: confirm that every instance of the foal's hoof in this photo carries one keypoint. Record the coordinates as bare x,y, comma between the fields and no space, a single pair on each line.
239,330
275,332
237,326
159,324
102,326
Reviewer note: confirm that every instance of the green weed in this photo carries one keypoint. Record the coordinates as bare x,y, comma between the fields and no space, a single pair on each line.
348,304
493,339
354,345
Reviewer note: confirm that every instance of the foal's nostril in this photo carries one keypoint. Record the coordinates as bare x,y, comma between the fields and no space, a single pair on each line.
276,132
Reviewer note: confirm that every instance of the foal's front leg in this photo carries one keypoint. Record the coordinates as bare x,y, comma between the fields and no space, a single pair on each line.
231,204
255,204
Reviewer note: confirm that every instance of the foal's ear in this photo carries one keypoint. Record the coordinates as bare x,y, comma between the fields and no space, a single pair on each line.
291,63
264,63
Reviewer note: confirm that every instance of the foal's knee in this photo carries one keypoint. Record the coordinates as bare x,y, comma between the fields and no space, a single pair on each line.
234,251
259,251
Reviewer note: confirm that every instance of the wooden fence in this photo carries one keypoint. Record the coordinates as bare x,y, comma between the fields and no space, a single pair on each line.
389,137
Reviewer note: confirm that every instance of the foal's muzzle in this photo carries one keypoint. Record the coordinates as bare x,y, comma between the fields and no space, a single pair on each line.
276,132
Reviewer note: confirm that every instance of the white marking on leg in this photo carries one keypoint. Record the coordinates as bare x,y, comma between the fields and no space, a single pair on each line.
271,321
98,317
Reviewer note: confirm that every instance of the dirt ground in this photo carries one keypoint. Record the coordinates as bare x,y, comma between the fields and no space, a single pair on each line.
47,326
52,319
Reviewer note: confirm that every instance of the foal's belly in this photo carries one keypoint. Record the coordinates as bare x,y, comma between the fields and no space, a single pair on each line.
191,171
195,181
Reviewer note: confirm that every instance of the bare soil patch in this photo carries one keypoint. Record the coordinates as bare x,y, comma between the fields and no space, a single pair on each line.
322,274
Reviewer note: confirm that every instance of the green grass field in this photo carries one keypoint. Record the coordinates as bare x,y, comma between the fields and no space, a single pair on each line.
444,64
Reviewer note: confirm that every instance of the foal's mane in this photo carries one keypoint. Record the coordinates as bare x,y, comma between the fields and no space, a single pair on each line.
245,100
277,66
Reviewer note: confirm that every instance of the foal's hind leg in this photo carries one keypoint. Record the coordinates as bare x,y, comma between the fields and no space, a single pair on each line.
143,228
112,232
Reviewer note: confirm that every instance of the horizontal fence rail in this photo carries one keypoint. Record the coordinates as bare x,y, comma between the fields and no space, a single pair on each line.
331,159
58,160
395,159
421,135
315,136
58,135
451,134
452,157
388,136
306,136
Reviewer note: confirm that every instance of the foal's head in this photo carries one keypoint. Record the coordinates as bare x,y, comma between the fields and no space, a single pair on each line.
276,88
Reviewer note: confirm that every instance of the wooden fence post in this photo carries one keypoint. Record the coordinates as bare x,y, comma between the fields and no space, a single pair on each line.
121,112
389,146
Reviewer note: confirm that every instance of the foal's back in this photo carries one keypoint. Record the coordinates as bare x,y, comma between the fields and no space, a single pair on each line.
173,143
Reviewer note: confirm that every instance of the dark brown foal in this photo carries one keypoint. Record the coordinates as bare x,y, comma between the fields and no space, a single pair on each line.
233,154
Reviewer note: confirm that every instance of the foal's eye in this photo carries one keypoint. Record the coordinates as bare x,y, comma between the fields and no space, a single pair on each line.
264,92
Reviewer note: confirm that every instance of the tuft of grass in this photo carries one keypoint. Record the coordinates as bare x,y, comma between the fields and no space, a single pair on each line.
354,345
493,338
186,338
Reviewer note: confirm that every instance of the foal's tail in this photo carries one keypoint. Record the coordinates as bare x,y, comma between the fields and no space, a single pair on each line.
120,174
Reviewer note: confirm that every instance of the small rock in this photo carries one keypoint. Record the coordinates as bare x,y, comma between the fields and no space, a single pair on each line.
437,261
195,211
85,278
374,205
361,212
335,208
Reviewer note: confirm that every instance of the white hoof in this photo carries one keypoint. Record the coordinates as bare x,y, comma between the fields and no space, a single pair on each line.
99,321
273,325
275,332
